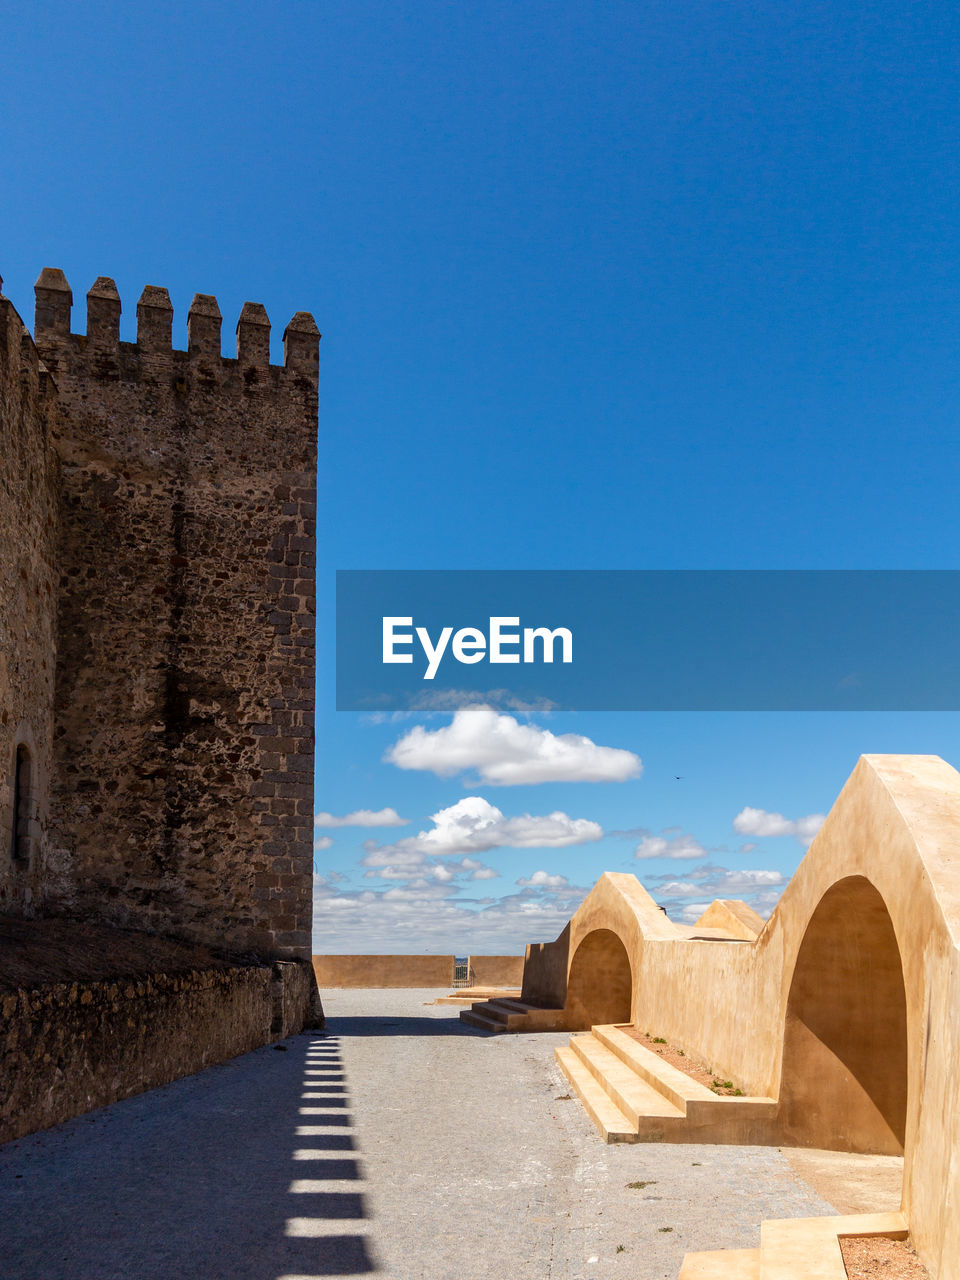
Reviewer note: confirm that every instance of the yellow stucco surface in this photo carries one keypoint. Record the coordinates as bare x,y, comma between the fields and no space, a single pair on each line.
844,1007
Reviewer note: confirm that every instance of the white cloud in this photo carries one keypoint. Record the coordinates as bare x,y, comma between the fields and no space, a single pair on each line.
435,898
507,753
737,882
543,880
678,846
466,868
759,887
477,870
362,818
423,916
321,843
328,880
764,903
761,822
473,825
678,889
692,912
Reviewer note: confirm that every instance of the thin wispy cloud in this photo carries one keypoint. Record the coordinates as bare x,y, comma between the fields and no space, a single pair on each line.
417,869
694,891
543,880
435,702
362,818
680,846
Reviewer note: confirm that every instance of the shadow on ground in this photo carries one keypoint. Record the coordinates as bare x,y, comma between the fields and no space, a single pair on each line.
248,1171
393,1026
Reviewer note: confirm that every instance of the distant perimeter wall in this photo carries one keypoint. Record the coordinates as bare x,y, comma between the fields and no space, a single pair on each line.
496,971
414,971
383,971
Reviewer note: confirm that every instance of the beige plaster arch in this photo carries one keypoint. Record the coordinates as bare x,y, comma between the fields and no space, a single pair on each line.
599,981
843,1080
617,904
884,871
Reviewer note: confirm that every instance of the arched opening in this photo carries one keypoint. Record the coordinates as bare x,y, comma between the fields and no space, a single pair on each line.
600,985
22,808
844,1080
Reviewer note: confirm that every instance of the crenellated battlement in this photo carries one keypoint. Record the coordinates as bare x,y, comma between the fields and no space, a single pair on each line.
54,303
19,357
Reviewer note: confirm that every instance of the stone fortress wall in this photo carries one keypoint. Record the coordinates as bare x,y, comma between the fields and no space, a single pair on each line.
157,599
29,578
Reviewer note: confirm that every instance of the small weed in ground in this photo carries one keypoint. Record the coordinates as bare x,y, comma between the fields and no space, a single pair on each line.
638,1186
680,1053
659,1040
665,1228
563,1097
621,1249
722,1084
697,1164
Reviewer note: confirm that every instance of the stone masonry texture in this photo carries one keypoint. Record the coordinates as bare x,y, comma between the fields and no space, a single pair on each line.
29,508
157,600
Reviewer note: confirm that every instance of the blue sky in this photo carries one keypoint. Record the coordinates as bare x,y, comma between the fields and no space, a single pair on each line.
601,286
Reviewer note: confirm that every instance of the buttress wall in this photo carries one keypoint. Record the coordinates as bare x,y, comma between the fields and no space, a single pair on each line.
183,767
28,583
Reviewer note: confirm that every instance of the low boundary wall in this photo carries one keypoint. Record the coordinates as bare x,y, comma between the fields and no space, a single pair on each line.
67,1048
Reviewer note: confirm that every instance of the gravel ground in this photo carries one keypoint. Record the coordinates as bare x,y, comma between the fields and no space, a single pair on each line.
399,1144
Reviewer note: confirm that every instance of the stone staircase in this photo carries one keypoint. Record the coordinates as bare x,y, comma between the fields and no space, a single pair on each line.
632,1095
508,1014
793,1249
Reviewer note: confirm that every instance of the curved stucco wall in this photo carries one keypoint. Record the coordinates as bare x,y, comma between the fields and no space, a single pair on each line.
894,833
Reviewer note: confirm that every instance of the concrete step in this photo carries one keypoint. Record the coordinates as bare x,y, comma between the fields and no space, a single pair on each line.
599,1106
511,1004
535,1018
512,1015
722,1264
639,1101
793,1249
488,1009
809,1248
675,1085
708,1117
473,1018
